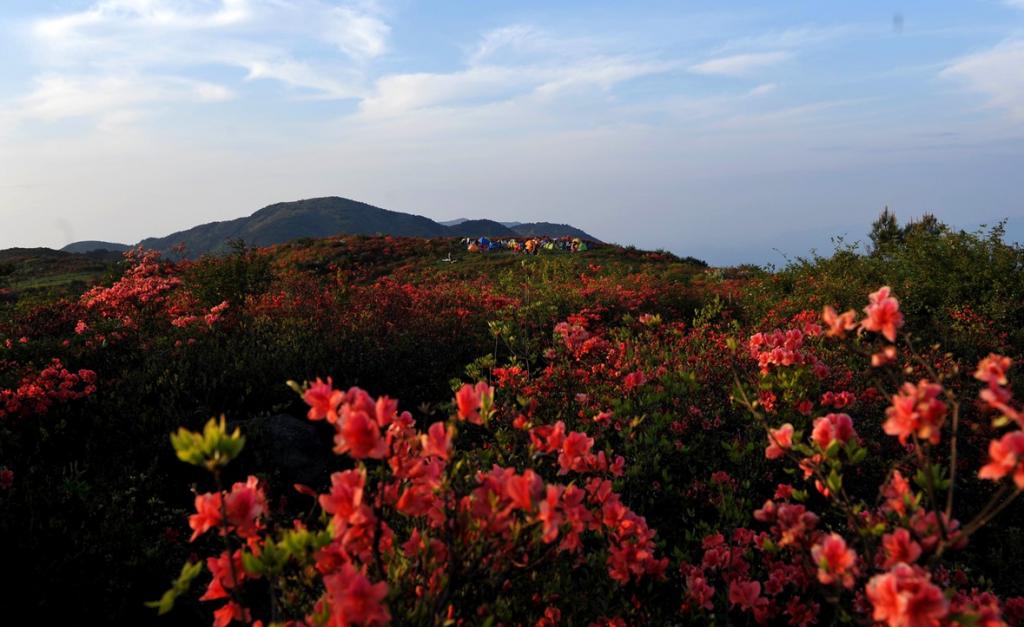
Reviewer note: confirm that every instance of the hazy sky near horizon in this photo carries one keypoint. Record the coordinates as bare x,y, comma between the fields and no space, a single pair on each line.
732,131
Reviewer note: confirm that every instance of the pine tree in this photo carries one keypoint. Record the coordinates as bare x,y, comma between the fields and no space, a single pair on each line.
927,224
885,231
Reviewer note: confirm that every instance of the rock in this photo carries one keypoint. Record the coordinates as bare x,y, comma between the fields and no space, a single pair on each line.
288,450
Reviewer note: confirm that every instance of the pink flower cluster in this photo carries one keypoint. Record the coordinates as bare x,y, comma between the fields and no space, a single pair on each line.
782,348
146,283
37,393
1006,454
505,513
916,411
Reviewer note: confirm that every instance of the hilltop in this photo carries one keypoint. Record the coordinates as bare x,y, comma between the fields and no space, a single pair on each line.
89,246
323,217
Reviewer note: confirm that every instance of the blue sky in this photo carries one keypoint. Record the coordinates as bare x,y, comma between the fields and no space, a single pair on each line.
732,131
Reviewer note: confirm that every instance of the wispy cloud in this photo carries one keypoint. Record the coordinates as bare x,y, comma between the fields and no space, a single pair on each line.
356,29
400,93
521,43
163,14
740,64
117,56
995,73
792,38
481,84
58,97
358,34
497,71
762,89
515,37
343,84
113,102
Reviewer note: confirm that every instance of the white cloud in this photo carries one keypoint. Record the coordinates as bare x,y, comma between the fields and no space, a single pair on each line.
480,84
793,38
762,89
515,38
780,119
524,44
211,92
355,28
157,45
740,64
297,74
996,73
602,73
164,14
357,34
496,73
399,93
58,97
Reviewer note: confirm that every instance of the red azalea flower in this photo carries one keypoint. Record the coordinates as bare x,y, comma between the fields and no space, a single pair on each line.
779,441
835,561
899,547
1005,457
323,400
245,504
916,410
471,399
437,441
883,314
353,600
992,369
208,514
839,324
832,428
359,435
905,597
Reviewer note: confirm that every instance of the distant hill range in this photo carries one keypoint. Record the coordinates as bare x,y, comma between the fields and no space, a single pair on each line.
89,246
325,217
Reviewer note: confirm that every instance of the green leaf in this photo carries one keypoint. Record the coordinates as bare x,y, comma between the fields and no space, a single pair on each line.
178,588
833,449
213,448
251,563
835,481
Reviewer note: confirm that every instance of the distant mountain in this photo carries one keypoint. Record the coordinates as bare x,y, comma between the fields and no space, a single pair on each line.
476,228
12,255
27,269
89,246
286,221
325,217
531,229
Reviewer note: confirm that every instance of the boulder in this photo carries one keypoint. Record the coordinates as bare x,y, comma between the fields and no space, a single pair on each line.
287,449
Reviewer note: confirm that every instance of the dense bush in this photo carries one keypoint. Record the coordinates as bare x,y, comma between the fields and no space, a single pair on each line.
960,289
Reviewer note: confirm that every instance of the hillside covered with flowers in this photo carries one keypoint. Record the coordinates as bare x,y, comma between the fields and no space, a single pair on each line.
357,431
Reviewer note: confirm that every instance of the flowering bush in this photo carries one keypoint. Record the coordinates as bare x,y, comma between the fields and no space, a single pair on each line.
644,441
419,531
901,534
37,392
416,529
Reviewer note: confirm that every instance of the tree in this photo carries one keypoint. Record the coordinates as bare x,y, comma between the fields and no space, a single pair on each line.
927,224
885,231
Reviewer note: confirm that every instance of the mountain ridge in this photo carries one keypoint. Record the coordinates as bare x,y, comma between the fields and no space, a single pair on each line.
89,246
333,215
